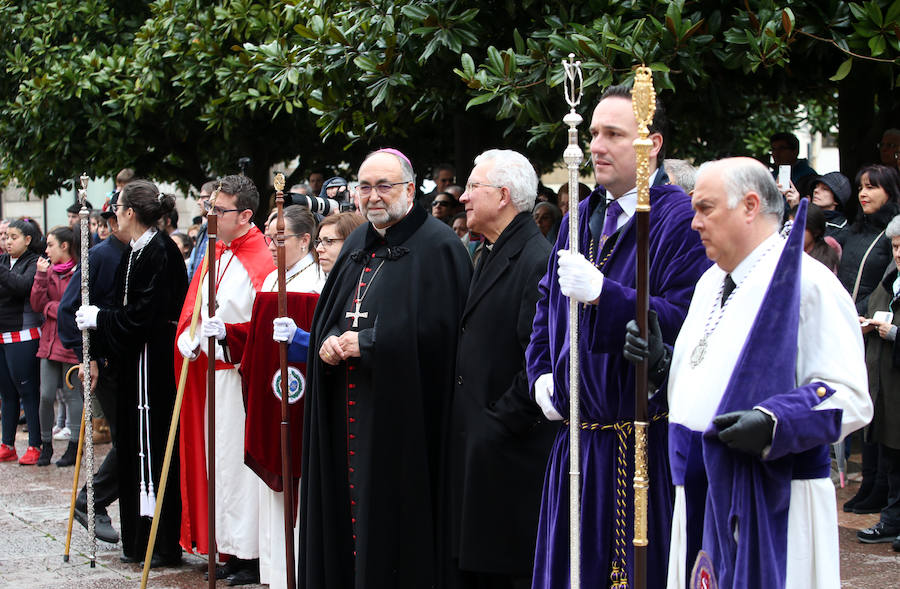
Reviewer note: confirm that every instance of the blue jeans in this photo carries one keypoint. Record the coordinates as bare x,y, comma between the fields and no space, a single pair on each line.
20,383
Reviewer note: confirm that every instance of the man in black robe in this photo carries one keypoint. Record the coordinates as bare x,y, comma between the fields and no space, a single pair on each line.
499,441
380,379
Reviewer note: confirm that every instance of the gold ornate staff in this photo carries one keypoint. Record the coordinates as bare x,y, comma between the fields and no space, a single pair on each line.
643,100
573,156
286,462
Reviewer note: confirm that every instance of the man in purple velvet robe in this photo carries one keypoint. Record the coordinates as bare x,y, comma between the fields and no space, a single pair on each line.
604,279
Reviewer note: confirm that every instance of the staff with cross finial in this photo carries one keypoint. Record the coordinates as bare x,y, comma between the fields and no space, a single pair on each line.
573,156
176,416
86,438
286,462
644,103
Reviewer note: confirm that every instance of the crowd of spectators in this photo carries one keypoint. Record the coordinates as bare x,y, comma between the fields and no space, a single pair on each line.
852,228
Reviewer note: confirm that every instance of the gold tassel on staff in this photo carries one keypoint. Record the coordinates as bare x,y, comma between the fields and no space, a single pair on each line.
573,156
643,100
286,462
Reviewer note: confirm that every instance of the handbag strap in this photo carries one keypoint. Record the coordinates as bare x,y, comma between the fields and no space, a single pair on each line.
862,265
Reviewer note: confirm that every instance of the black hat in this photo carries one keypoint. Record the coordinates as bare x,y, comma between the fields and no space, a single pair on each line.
838,184
110,211
331,183
75,208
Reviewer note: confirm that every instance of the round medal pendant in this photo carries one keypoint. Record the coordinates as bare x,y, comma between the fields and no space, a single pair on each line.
699,352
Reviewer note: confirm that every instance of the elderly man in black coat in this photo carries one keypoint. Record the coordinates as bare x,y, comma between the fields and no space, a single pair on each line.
498,440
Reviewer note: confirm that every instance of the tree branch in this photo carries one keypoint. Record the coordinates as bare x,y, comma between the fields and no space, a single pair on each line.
847,51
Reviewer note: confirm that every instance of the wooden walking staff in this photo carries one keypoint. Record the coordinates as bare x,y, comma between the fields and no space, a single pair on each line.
173,429
573,156
78,456
286,462
212,224
643,100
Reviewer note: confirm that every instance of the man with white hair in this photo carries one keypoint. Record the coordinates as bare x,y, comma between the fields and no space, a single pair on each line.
379,382
756,396
498,441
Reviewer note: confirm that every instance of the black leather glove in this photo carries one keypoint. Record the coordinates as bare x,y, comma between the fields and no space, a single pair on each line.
747,431
637,349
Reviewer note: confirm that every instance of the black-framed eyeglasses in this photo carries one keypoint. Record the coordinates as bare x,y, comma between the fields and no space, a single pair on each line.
218,210
326,241
441,203
473,185
382,189
115,206
271,240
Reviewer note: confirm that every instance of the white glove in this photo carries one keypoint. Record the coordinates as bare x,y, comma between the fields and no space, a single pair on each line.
578,278
283,329
86,317
543,396
212,327
187,346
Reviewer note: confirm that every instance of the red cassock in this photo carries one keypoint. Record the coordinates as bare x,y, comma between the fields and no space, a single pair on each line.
261,377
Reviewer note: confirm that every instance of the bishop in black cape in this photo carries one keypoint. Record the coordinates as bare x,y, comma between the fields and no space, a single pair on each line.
373,425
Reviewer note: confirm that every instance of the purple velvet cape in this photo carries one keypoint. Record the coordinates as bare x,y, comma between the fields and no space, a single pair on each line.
677,260
745,490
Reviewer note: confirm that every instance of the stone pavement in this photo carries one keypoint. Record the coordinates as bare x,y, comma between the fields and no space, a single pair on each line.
34,511
34,504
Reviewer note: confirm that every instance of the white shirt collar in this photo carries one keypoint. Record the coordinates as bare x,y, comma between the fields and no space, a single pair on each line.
742,270
138,245
301,264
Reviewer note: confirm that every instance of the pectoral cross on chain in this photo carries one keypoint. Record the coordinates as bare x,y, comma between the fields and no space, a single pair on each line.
356,314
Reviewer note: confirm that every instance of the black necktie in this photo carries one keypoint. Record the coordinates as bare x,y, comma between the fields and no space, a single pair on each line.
728,288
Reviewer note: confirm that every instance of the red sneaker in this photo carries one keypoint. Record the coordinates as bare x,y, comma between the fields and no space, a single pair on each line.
30,456
7,453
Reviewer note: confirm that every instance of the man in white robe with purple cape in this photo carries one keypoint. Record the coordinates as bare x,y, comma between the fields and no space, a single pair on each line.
766,373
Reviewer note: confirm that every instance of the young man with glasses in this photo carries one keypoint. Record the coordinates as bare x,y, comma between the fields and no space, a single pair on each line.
242,263
379,381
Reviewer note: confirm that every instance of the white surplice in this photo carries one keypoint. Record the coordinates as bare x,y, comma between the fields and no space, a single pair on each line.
237,487
830,350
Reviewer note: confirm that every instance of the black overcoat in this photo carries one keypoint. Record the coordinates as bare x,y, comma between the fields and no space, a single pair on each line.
499,442
157,284
372,426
